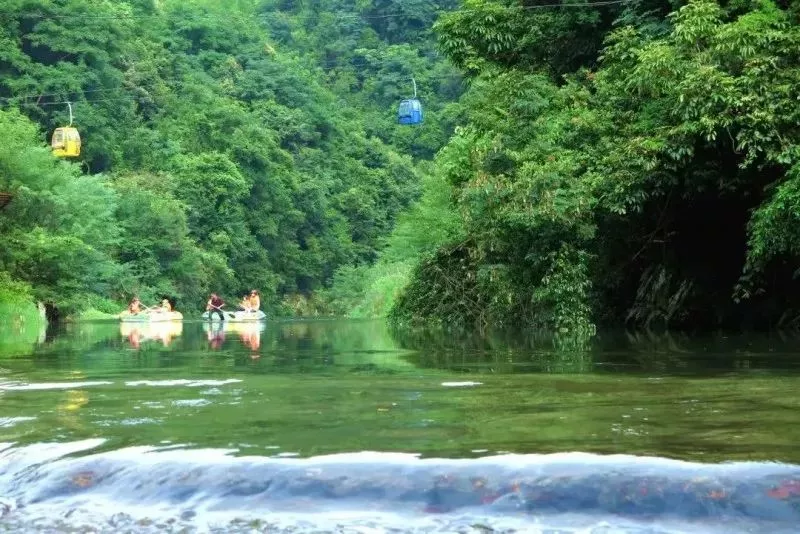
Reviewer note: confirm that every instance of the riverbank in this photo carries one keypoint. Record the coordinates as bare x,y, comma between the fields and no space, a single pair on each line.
22,322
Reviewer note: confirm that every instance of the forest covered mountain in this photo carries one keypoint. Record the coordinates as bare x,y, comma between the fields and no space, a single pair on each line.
581,163
226,145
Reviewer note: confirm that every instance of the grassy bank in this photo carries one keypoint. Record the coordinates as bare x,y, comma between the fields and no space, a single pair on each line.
21,324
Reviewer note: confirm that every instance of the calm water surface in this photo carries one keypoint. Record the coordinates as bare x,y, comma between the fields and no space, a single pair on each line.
344,426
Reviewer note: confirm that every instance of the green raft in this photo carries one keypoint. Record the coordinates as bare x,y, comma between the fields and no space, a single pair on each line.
238,316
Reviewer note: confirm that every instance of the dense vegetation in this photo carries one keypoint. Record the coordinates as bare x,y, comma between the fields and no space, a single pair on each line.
631,163
224,147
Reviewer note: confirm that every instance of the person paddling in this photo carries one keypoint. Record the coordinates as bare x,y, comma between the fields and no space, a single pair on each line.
215,304
135,307
254,301
166,306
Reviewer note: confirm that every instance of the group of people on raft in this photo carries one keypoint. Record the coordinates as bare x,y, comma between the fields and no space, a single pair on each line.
136,307
249,303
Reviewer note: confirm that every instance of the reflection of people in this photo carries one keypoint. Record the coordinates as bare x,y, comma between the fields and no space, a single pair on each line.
251,338
214,305
216,336
135,338
165,336
137,334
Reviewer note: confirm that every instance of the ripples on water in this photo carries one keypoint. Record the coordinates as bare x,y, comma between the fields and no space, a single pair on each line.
199,434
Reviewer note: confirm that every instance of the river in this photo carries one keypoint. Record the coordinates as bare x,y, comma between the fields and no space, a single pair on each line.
346,426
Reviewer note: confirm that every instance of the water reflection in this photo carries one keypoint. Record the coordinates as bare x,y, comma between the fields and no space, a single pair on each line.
72,401
312,387
138,333
683,353
215,333
249,334
373,346
19,338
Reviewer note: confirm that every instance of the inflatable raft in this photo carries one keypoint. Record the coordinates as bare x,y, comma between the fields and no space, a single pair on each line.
238,316
149,317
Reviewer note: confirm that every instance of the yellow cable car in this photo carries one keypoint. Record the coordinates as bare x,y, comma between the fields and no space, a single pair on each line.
66,141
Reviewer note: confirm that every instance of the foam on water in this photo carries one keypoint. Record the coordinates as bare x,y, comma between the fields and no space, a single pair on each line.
193,403
390,492
43,386
21,386
182,382
94,517
8,422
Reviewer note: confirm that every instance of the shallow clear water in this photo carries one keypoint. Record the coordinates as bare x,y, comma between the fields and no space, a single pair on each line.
343,426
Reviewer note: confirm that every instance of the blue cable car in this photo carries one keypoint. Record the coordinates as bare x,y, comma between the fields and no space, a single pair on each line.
410,110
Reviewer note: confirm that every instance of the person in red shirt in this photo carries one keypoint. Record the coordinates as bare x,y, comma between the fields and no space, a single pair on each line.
214,305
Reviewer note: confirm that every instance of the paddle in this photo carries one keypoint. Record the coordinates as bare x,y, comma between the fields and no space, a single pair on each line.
219,308
145,309
154,307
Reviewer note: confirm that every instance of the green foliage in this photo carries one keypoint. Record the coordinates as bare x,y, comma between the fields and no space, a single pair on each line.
660,168
16,299
220,150
59,230
564,290
527,35
775,225
625,162
369,51
20,321
371,291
